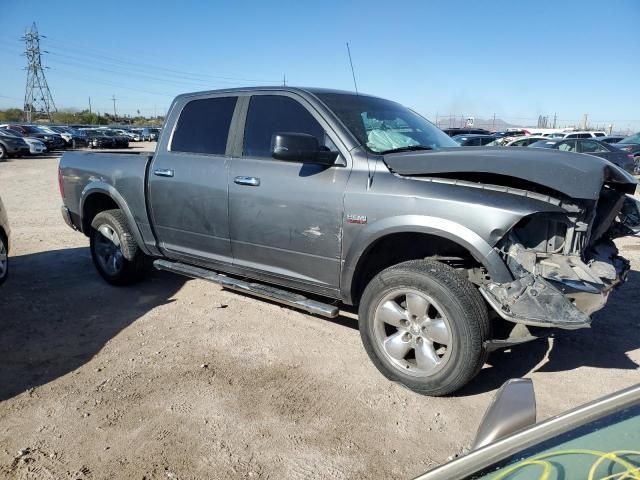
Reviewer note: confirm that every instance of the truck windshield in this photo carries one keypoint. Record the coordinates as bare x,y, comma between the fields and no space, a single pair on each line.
383,126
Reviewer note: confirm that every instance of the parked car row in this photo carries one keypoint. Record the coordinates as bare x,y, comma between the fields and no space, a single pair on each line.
133,134
624,152
17,140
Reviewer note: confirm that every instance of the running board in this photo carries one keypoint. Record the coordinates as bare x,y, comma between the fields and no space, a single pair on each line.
257,289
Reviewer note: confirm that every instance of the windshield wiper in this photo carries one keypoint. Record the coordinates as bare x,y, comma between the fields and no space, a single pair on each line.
408,148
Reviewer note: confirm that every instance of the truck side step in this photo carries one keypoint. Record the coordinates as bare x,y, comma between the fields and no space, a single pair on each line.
257,289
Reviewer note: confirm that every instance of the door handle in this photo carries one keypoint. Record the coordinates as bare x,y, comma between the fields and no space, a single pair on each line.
163,172
251,181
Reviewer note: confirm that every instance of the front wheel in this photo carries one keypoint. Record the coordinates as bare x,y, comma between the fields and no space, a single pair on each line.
3,153
114,250
423,325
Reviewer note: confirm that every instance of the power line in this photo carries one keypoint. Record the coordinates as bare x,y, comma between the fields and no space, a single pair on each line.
37,96
96,54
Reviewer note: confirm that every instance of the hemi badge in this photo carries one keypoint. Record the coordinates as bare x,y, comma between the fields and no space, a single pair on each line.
359,219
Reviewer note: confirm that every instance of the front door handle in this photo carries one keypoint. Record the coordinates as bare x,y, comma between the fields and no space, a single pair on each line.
163,172
251,181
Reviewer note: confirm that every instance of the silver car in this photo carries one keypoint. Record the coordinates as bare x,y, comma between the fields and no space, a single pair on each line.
4,243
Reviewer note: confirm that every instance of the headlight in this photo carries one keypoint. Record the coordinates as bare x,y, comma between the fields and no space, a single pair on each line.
47,137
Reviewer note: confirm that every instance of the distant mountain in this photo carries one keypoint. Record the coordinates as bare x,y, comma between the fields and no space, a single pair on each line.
488,124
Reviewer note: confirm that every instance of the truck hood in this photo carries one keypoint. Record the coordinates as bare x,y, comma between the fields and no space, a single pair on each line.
573,174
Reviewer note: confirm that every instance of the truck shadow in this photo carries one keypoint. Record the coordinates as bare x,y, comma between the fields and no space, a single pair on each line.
613,334
56,313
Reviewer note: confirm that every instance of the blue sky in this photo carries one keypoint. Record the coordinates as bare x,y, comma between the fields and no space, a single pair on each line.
515,59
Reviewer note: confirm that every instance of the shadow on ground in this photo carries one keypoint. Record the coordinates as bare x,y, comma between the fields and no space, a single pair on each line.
614,332
56,313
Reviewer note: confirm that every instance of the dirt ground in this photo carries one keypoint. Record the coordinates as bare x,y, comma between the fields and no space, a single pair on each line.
179,379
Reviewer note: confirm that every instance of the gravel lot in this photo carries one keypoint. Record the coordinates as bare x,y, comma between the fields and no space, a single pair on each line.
179,379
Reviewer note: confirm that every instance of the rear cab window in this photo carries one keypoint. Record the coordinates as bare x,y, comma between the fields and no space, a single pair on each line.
203,126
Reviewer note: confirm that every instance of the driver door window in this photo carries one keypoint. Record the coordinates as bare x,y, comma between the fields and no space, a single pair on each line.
568,146
270,114
589,146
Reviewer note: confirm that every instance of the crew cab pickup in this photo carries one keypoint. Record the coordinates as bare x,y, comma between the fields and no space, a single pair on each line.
324,199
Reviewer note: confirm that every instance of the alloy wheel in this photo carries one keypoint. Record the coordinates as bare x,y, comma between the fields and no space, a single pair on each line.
108,251
412,332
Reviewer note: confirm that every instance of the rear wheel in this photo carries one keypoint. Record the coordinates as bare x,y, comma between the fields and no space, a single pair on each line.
423,325
4,259
114,250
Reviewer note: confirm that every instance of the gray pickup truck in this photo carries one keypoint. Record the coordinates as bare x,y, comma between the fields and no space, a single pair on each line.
323,199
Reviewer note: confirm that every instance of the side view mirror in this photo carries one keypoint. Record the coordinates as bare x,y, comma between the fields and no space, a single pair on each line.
513,408
300,147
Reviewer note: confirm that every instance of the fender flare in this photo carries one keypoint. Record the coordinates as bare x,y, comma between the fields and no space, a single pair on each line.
111,192
440,227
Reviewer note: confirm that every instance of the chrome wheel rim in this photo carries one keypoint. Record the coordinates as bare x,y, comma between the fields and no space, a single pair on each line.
3,259
108,251
412,332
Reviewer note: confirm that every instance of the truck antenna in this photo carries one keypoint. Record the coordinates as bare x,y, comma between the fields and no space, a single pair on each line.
353,73
355,84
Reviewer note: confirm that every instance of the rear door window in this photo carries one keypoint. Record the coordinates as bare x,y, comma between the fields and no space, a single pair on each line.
203,126
270,114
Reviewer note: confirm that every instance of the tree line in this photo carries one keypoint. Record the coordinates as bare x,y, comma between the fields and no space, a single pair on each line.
83,117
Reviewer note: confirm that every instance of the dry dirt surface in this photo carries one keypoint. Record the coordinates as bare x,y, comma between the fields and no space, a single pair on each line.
179,379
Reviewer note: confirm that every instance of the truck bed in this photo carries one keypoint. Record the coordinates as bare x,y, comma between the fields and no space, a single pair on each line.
122,175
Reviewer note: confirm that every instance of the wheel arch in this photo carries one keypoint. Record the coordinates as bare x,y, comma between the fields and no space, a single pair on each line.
444,237
98,197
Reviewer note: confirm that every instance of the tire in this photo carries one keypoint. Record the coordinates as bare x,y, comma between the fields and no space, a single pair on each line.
73,145
4,259
115,253
423,325
3,153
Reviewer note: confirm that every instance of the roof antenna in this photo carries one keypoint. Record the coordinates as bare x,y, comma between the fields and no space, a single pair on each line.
353,73
355,84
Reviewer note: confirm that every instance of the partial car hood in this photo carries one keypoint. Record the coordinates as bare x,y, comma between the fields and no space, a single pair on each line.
573,174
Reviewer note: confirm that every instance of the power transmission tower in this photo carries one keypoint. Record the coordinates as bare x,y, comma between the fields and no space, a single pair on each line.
115,115
37,97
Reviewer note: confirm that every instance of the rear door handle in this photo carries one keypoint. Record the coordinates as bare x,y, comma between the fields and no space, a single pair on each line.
251,181
163,172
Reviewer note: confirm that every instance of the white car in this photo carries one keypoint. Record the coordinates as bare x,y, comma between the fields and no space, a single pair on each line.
36,147
581,134
523,141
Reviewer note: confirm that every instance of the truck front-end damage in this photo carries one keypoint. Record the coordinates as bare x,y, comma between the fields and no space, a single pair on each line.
565,265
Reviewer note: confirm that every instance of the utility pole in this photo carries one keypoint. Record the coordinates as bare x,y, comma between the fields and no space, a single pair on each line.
284,80
115,115
493,123
37,96
89,105
555,118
